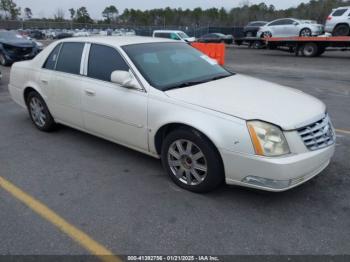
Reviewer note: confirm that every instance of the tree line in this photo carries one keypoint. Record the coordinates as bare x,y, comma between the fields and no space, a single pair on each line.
237,16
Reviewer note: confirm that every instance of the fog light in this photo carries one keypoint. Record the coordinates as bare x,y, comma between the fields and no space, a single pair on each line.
265,182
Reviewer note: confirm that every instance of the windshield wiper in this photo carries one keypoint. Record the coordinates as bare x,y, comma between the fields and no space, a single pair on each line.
185,84
192,83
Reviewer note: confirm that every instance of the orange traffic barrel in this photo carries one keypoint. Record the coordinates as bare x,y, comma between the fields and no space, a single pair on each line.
214,51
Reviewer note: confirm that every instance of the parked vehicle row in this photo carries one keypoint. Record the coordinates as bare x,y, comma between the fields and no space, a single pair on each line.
182,36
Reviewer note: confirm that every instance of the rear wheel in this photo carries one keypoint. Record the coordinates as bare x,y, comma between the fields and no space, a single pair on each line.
341,30
192,161
310,50
39,113
306,32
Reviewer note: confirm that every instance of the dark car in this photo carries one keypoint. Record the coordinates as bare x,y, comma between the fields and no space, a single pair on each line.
62,35
36,34
14,47
216,38
252,28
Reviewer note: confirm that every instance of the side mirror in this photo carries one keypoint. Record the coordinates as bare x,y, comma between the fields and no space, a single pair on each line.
125,79
295,23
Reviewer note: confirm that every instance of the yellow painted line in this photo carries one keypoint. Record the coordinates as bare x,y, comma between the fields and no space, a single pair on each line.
343,131
77,235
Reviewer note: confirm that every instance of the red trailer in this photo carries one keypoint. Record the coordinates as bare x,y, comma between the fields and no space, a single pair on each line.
309,46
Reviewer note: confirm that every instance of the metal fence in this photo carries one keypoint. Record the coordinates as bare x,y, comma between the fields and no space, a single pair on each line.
140,30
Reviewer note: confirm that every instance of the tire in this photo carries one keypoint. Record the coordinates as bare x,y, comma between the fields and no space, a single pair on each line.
341,30
192,161
310,50
321,50
306,32
258,44
39,113
3,60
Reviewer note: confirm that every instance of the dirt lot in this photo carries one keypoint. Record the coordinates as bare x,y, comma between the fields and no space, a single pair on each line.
124,200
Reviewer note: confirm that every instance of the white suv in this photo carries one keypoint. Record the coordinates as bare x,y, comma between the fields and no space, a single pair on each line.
338,22
174,35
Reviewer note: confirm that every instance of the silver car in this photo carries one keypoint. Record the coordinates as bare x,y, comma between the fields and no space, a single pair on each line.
338,22
287,27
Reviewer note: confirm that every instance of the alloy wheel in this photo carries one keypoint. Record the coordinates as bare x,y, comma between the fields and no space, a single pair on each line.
187,162
37,111
305,32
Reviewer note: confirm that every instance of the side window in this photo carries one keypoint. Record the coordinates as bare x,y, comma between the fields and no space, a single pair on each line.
278,22
103,60
288,22
163,35
174,36
52,59
70,58
339,12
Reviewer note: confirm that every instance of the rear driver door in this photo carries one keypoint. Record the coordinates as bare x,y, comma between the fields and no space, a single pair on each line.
66,84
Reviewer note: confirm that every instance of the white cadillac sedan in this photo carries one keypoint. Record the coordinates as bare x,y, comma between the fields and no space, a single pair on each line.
168,100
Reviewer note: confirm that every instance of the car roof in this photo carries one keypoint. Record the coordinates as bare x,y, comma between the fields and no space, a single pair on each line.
118,40
167,31
342,7
257,22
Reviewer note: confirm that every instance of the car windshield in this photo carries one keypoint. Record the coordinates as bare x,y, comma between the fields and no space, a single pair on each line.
173,65
183,35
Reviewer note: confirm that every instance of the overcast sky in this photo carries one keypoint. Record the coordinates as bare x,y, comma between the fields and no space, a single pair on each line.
46,8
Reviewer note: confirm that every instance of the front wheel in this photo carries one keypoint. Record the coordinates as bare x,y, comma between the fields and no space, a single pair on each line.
192,161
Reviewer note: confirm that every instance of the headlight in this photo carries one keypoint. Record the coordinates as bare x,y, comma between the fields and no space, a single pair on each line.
268,140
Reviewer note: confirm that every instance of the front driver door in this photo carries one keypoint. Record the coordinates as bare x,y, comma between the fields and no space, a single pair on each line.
110,110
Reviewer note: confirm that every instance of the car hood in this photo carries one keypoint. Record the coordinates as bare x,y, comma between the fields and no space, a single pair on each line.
190,39
253,99
17,42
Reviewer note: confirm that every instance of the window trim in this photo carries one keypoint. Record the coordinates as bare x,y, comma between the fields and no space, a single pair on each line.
86,66
58,55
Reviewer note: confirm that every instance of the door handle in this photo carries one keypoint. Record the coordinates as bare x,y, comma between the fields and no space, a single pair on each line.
90,92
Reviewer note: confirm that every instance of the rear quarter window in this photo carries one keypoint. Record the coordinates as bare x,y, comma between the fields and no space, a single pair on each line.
52,58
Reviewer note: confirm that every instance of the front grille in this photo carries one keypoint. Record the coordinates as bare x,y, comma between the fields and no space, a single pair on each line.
19,51
318,135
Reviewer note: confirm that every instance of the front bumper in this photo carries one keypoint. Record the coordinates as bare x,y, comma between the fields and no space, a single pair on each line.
329,28
280,174
14,57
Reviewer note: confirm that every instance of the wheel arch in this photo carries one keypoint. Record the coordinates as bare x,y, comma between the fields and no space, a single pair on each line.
341,23
29,88
165,129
